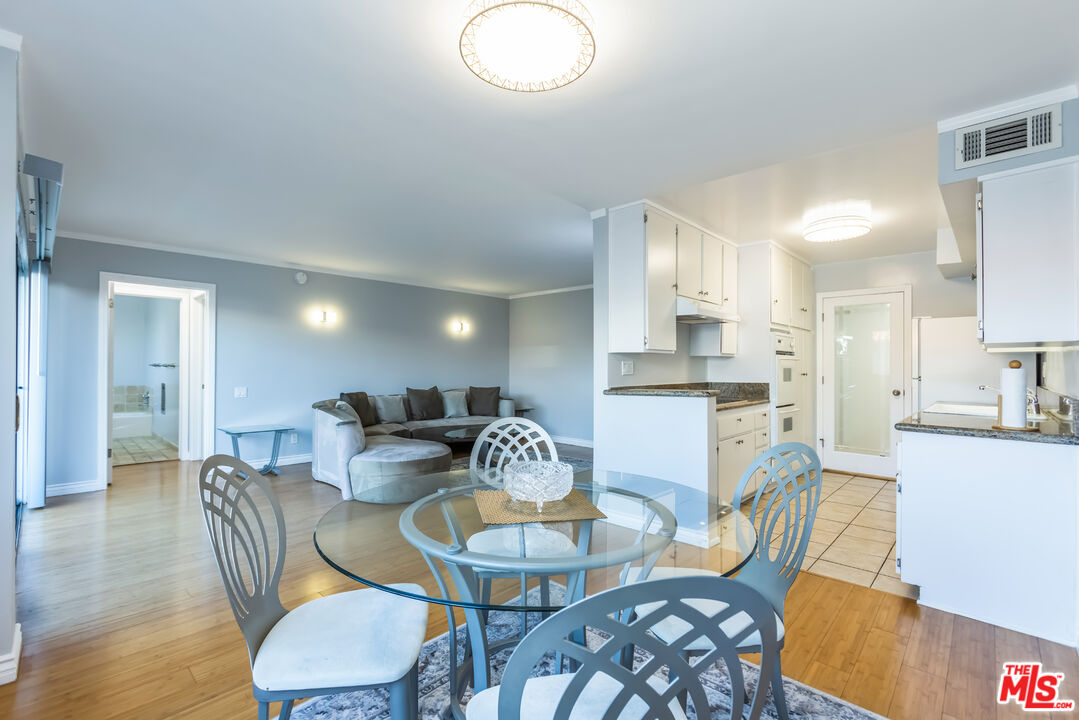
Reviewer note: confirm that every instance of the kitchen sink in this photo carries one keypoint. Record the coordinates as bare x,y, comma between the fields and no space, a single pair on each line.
976,409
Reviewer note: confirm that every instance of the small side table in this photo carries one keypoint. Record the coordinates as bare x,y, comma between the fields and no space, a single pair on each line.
523,411
237,432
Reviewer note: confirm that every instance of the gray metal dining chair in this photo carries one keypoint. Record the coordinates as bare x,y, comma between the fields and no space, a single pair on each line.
783,508
339,643
725,612
506,440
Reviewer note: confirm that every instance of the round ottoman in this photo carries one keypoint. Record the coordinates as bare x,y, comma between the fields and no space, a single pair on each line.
382,472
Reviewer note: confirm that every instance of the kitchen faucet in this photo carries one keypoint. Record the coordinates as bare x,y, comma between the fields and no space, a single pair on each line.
1034,406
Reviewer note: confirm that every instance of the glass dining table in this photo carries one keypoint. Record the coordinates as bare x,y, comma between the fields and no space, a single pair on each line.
440,543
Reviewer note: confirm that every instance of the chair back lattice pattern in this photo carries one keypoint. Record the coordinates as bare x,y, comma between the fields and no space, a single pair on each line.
783,510
247,533
511,439
730,612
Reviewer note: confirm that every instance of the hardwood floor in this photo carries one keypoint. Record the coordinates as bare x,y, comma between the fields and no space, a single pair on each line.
123,616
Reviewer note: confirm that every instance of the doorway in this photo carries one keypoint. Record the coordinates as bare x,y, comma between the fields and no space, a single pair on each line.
864,356
156,371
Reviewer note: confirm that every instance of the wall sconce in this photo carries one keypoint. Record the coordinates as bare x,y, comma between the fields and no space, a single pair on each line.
460,327
322,316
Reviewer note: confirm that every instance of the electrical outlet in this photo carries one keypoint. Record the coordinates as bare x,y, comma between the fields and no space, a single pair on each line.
293,438
627,367
239,391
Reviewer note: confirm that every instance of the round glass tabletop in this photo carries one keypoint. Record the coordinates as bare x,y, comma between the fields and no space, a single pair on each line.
425,538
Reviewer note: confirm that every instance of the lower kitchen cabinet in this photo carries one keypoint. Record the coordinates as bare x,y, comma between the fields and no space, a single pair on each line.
741,435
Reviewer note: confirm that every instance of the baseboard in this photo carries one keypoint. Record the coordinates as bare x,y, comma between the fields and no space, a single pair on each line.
573,441
281,460
9,662
1019,628
72,488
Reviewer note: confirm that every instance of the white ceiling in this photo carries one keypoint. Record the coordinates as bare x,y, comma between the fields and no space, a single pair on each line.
351,136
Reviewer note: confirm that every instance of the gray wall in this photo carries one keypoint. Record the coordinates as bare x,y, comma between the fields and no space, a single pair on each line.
931,293
551,360
8,160
387,336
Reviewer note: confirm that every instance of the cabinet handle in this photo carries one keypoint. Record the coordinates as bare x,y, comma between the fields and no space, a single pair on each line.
776,301
726,299
805,374
706,292
739,442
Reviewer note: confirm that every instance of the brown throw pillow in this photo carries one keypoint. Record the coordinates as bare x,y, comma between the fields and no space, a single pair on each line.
483,400
362,406
425,404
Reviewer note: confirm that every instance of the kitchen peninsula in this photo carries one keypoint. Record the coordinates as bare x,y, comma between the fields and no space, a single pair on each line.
989,521
707,434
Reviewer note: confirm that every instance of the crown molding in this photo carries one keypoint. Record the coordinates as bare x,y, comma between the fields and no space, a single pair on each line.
597,214
1068,92
236,257
556,291
10,40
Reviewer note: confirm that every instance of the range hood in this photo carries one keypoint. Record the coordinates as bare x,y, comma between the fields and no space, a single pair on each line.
696,312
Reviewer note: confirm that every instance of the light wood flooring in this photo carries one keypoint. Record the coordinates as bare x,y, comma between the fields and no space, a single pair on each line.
124,616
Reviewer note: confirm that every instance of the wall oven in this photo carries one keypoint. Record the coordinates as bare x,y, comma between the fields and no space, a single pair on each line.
789,425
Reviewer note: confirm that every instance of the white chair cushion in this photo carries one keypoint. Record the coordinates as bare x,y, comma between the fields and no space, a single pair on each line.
363,637
672,628
506,541
541,696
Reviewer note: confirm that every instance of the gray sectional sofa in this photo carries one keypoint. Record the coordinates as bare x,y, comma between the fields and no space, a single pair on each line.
374,461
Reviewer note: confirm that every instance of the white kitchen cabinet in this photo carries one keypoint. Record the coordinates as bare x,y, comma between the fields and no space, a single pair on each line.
802,296
734,456
689,261
782,267
642,265
712,269
1028,257
730,278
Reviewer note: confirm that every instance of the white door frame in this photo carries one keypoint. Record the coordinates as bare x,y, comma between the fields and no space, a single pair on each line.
905,314
197,361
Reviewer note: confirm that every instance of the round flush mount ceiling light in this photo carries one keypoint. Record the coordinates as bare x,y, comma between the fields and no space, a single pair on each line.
838,221
528,45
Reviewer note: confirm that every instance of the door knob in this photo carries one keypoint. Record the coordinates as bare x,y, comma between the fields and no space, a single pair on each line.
896,393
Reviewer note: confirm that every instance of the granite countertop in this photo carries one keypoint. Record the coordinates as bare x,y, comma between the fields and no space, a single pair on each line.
1051,430
727,395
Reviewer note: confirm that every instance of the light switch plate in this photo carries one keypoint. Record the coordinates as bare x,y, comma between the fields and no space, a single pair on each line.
239,391
627,367
293,438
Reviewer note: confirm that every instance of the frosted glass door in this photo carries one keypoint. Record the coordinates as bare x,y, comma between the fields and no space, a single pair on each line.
863,381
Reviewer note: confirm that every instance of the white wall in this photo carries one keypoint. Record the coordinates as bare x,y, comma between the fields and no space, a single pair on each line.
551,360
931,293
129,341
9,165
387,336
163,346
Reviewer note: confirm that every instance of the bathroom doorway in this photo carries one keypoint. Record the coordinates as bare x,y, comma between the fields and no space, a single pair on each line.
157,371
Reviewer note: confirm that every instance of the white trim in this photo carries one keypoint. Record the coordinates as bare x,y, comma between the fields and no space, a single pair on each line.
1068,92
597,214
281,460
879,257
1029,168
73,488
556,291
251,260
147,286
776,244
676,216
580,442
11,41
9,661
965,612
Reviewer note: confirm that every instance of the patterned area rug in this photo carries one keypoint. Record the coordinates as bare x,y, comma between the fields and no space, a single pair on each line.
578,464
803,702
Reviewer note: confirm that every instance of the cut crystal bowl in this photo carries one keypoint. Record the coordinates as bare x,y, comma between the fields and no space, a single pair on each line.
538,481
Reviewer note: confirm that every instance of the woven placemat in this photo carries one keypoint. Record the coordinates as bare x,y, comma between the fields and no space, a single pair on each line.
498,508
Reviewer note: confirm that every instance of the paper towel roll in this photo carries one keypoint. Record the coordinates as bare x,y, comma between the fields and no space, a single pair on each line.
1013,391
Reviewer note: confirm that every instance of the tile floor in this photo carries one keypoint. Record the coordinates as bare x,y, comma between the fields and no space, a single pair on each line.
128,451
854,534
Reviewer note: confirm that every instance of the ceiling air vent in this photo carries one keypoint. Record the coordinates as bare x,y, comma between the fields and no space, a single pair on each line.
1008,137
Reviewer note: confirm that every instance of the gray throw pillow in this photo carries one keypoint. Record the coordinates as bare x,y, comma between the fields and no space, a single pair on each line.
483,400
391,408
345,407
455,403
426,404
362,406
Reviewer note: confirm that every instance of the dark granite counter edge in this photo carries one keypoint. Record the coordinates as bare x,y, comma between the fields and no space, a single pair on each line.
908,425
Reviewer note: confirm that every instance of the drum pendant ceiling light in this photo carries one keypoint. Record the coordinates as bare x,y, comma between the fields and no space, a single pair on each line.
528,45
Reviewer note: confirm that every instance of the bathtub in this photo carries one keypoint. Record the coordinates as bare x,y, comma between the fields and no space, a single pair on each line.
132,424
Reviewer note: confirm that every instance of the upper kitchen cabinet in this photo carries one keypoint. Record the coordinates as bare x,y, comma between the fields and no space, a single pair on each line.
1028,258
712,269
702,266
782,268
690,269
643,276
730,278
803,298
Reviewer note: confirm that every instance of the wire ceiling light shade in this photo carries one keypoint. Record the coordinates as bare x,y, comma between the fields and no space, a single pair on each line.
528,45
841,221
